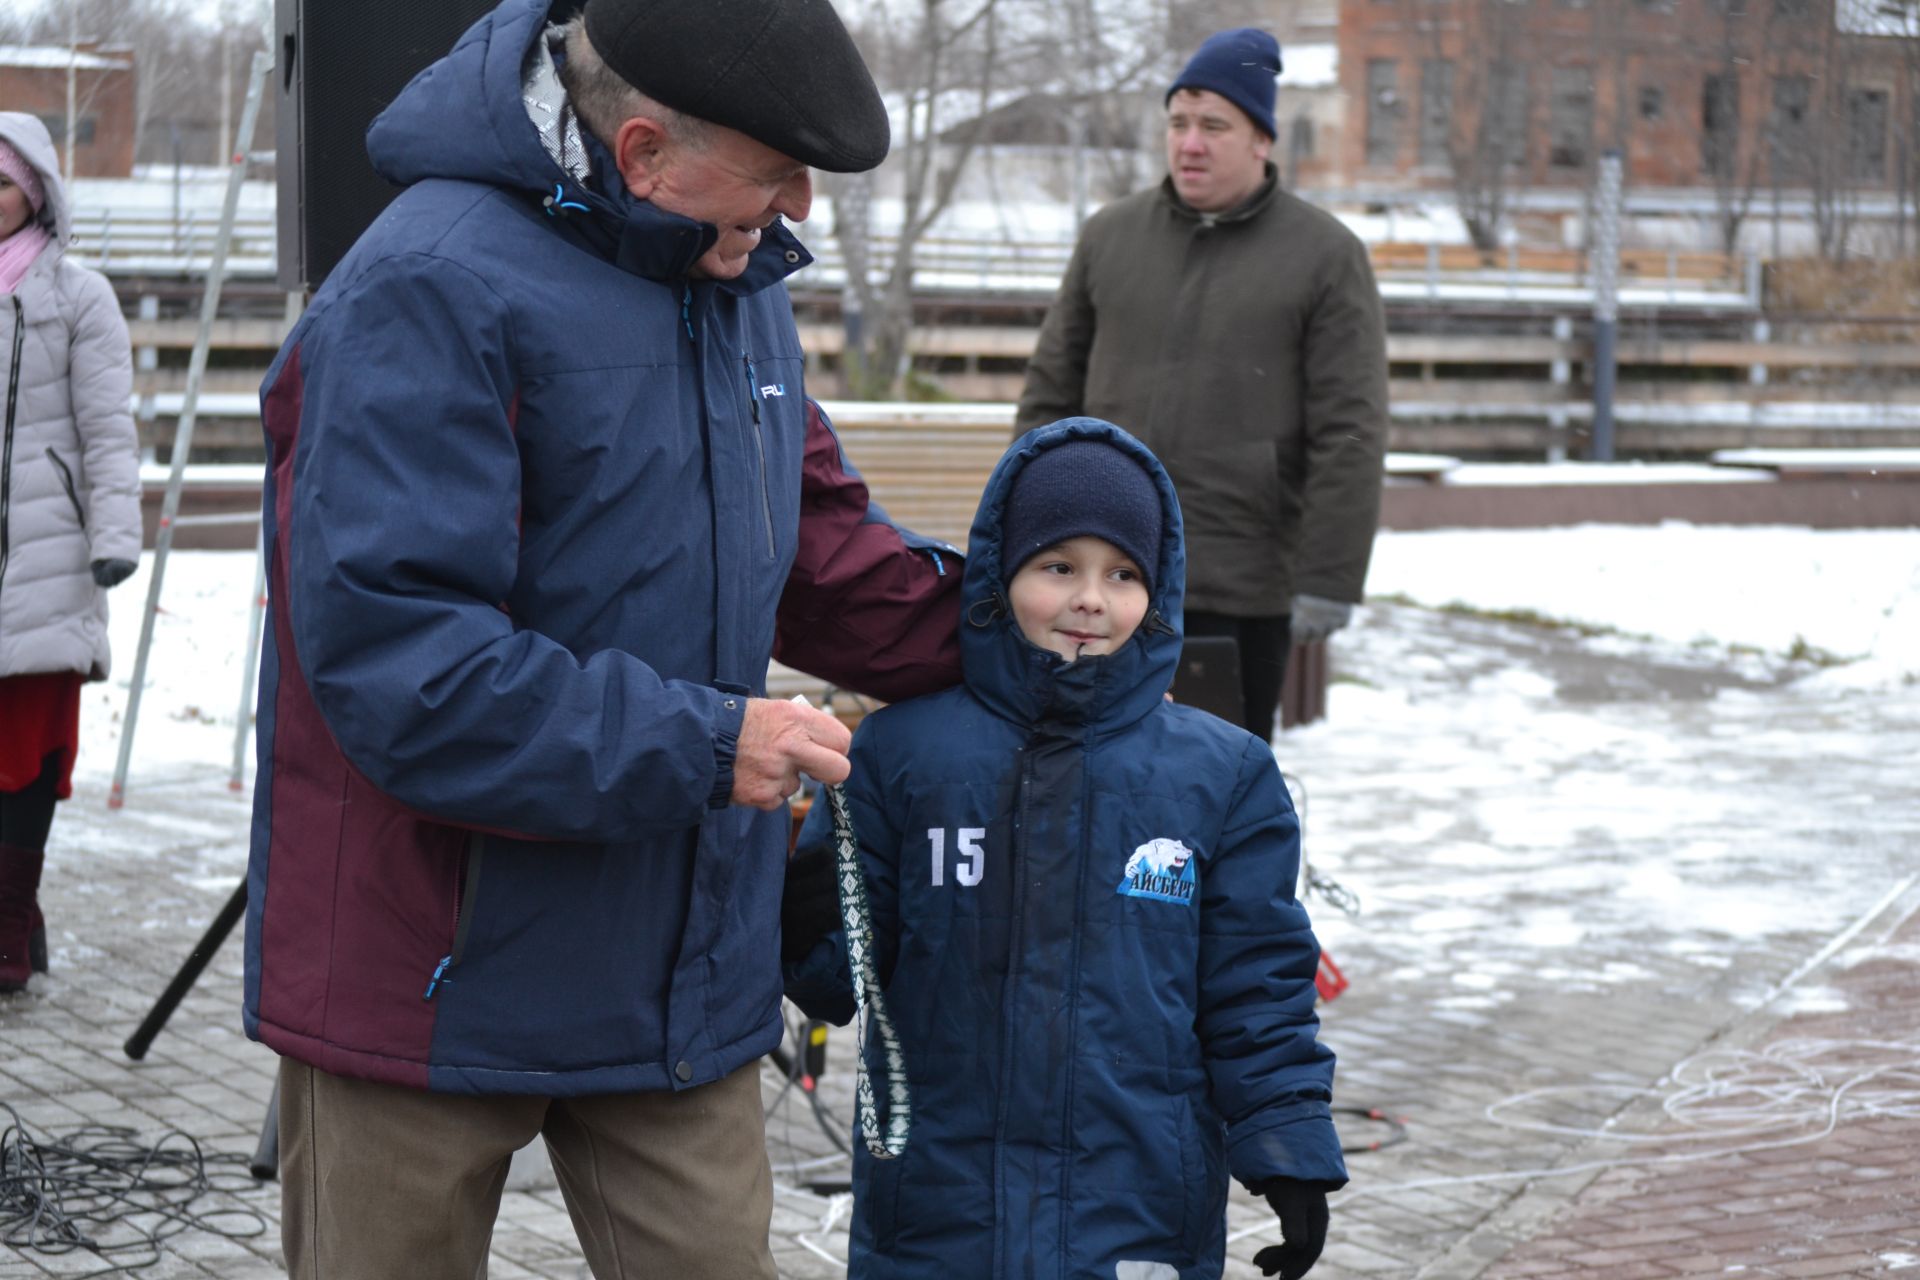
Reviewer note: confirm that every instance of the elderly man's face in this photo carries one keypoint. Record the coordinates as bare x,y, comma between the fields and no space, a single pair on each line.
738,185
1216,155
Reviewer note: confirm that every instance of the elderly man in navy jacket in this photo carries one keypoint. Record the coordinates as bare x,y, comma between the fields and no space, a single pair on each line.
545,493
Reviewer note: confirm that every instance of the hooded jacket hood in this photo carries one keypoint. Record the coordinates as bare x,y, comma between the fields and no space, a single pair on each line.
432,130
1024,682
27,135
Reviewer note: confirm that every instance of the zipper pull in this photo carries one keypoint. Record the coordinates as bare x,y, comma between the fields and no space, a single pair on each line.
435,980
753,390
686,310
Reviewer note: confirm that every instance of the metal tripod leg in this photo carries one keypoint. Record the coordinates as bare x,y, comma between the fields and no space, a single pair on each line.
265,1164
138,1043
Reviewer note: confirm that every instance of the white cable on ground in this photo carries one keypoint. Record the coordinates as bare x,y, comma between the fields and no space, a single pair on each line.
1713,1096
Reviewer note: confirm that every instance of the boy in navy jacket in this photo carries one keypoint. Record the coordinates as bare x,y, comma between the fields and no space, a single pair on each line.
1083,914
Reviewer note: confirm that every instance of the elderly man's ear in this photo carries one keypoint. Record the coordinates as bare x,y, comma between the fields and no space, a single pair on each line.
641,149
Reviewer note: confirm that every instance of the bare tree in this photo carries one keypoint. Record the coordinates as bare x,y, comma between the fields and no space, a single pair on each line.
1747,127
1474,104
937,67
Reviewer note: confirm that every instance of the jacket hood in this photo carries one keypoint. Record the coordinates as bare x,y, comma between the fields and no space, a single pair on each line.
1024,682
463,118
30,138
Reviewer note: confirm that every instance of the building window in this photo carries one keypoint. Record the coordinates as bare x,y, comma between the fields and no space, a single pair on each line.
1719,124
1730,8
1300,137
1654,6
1790,144
1436,110
1383,112
1867,134
1653,103
82,133
1570,118
1793,10
1507,91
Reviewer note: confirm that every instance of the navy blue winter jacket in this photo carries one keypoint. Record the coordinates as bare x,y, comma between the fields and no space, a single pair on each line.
538,509
1084,913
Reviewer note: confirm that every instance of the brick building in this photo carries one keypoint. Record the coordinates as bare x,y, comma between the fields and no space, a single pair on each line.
34,78
1695,93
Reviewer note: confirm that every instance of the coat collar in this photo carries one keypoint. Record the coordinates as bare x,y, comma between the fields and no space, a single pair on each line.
1246,211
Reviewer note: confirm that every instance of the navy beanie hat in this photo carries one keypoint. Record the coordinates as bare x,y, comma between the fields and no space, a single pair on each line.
1083,488
1239,65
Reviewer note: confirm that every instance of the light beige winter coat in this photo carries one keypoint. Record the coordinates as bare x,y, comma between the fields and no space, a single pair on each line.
69,473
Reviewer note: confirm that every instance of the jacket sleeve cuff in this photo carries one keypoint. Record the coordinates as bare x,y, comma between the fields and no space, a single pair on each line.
729,712
1291,1140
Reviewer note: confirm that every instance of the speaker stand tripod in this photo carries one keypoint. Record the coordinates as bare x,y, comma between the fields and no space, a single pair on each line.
265,1164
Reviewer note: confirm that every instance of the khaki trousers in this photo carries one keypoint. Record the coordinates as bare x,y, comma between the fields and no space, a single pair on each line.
380,1180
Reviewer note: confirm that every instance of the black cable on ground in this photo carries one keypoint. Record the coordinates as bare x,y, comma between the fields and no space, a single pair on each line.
1396,1129
101,1190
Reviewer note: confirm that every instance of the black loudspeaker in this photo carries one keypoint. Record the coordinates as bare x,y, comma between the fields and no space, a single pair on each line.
338,63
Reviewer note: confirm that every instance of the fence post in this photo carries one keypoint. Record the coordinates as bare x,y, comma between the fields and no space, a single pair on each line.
1757,371
147,361
1562,374
1433,269
1606,301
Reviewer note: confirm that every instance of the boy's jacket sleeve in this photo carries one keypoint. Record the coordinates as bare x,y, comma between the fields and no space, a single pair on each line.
1271,1079
403,548
822,983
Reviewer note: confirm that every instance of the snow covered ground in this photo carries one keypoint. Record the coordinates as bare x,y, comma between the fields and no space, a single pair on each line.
1715,592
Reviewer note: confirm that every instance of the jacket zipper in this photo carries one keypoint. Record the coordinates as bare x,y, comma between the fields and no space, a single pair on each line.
1017,944
66,482
466,889
6,453
760,444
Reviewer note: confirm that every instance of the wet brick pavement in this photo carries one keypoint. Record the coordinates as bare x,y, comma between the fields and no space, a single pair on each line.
1584,865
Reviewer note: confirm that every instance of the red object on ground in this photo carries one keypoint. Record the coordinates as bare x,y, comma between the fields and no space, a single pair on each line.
1329,981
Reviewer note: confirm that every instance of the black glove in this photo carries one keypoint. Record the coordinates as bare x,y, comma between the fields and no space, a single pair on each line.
1302,1209
810,905
111,573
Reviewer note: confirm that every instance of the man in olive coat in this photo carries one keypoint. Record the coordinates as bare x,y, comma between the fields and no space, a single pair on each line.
1236,330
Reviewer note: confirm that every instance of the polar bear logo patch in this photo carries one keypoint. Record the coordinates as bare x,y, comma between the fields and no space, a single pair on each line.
1159,869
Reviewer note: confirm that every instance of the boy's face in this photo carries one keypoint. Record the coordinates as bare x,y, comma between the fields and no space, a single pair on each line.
1084,597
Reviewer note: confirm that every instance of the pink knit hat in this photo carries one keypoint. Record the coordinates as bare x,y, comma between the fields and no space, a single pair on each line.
22,175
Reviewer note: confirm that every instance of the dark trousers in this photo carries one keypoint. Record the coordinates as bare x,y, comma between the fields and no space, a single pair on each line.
26,815
1264,645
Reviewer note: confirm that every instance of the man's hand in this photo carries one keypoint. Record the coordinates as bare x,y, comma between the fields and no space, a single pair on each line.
1302,1210
1316,618
779,741
111,573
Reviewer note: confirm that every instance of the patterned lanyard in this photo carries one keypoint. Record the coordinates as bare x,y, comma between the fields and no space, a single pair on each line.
868,1001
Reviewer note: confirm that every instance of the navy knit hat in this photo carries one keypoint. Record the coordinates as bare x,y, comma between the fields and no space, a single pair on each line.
1239,65
1083,488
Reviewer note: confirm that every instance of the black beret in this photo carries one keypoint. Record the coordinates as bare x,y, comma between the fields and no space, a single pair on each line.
783,72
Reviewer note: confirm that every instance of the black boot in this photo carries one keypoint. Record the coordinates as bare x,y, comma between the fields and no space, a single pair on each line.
37,940
19,884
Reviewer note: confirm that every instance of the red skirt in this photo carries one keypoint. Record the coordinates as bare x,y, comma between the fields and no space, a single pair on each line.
39,717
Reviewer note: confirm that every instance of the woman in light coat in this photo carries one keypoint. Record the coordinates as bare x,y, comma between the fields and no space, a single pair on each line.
69,514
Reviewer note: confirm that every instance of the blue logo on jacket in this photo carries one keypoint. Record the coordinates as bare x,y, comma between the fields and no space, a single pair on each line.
1159,869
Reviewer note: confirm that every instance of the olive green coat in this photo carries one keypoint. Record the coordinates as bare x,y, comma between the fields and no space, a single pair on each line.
1248,351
